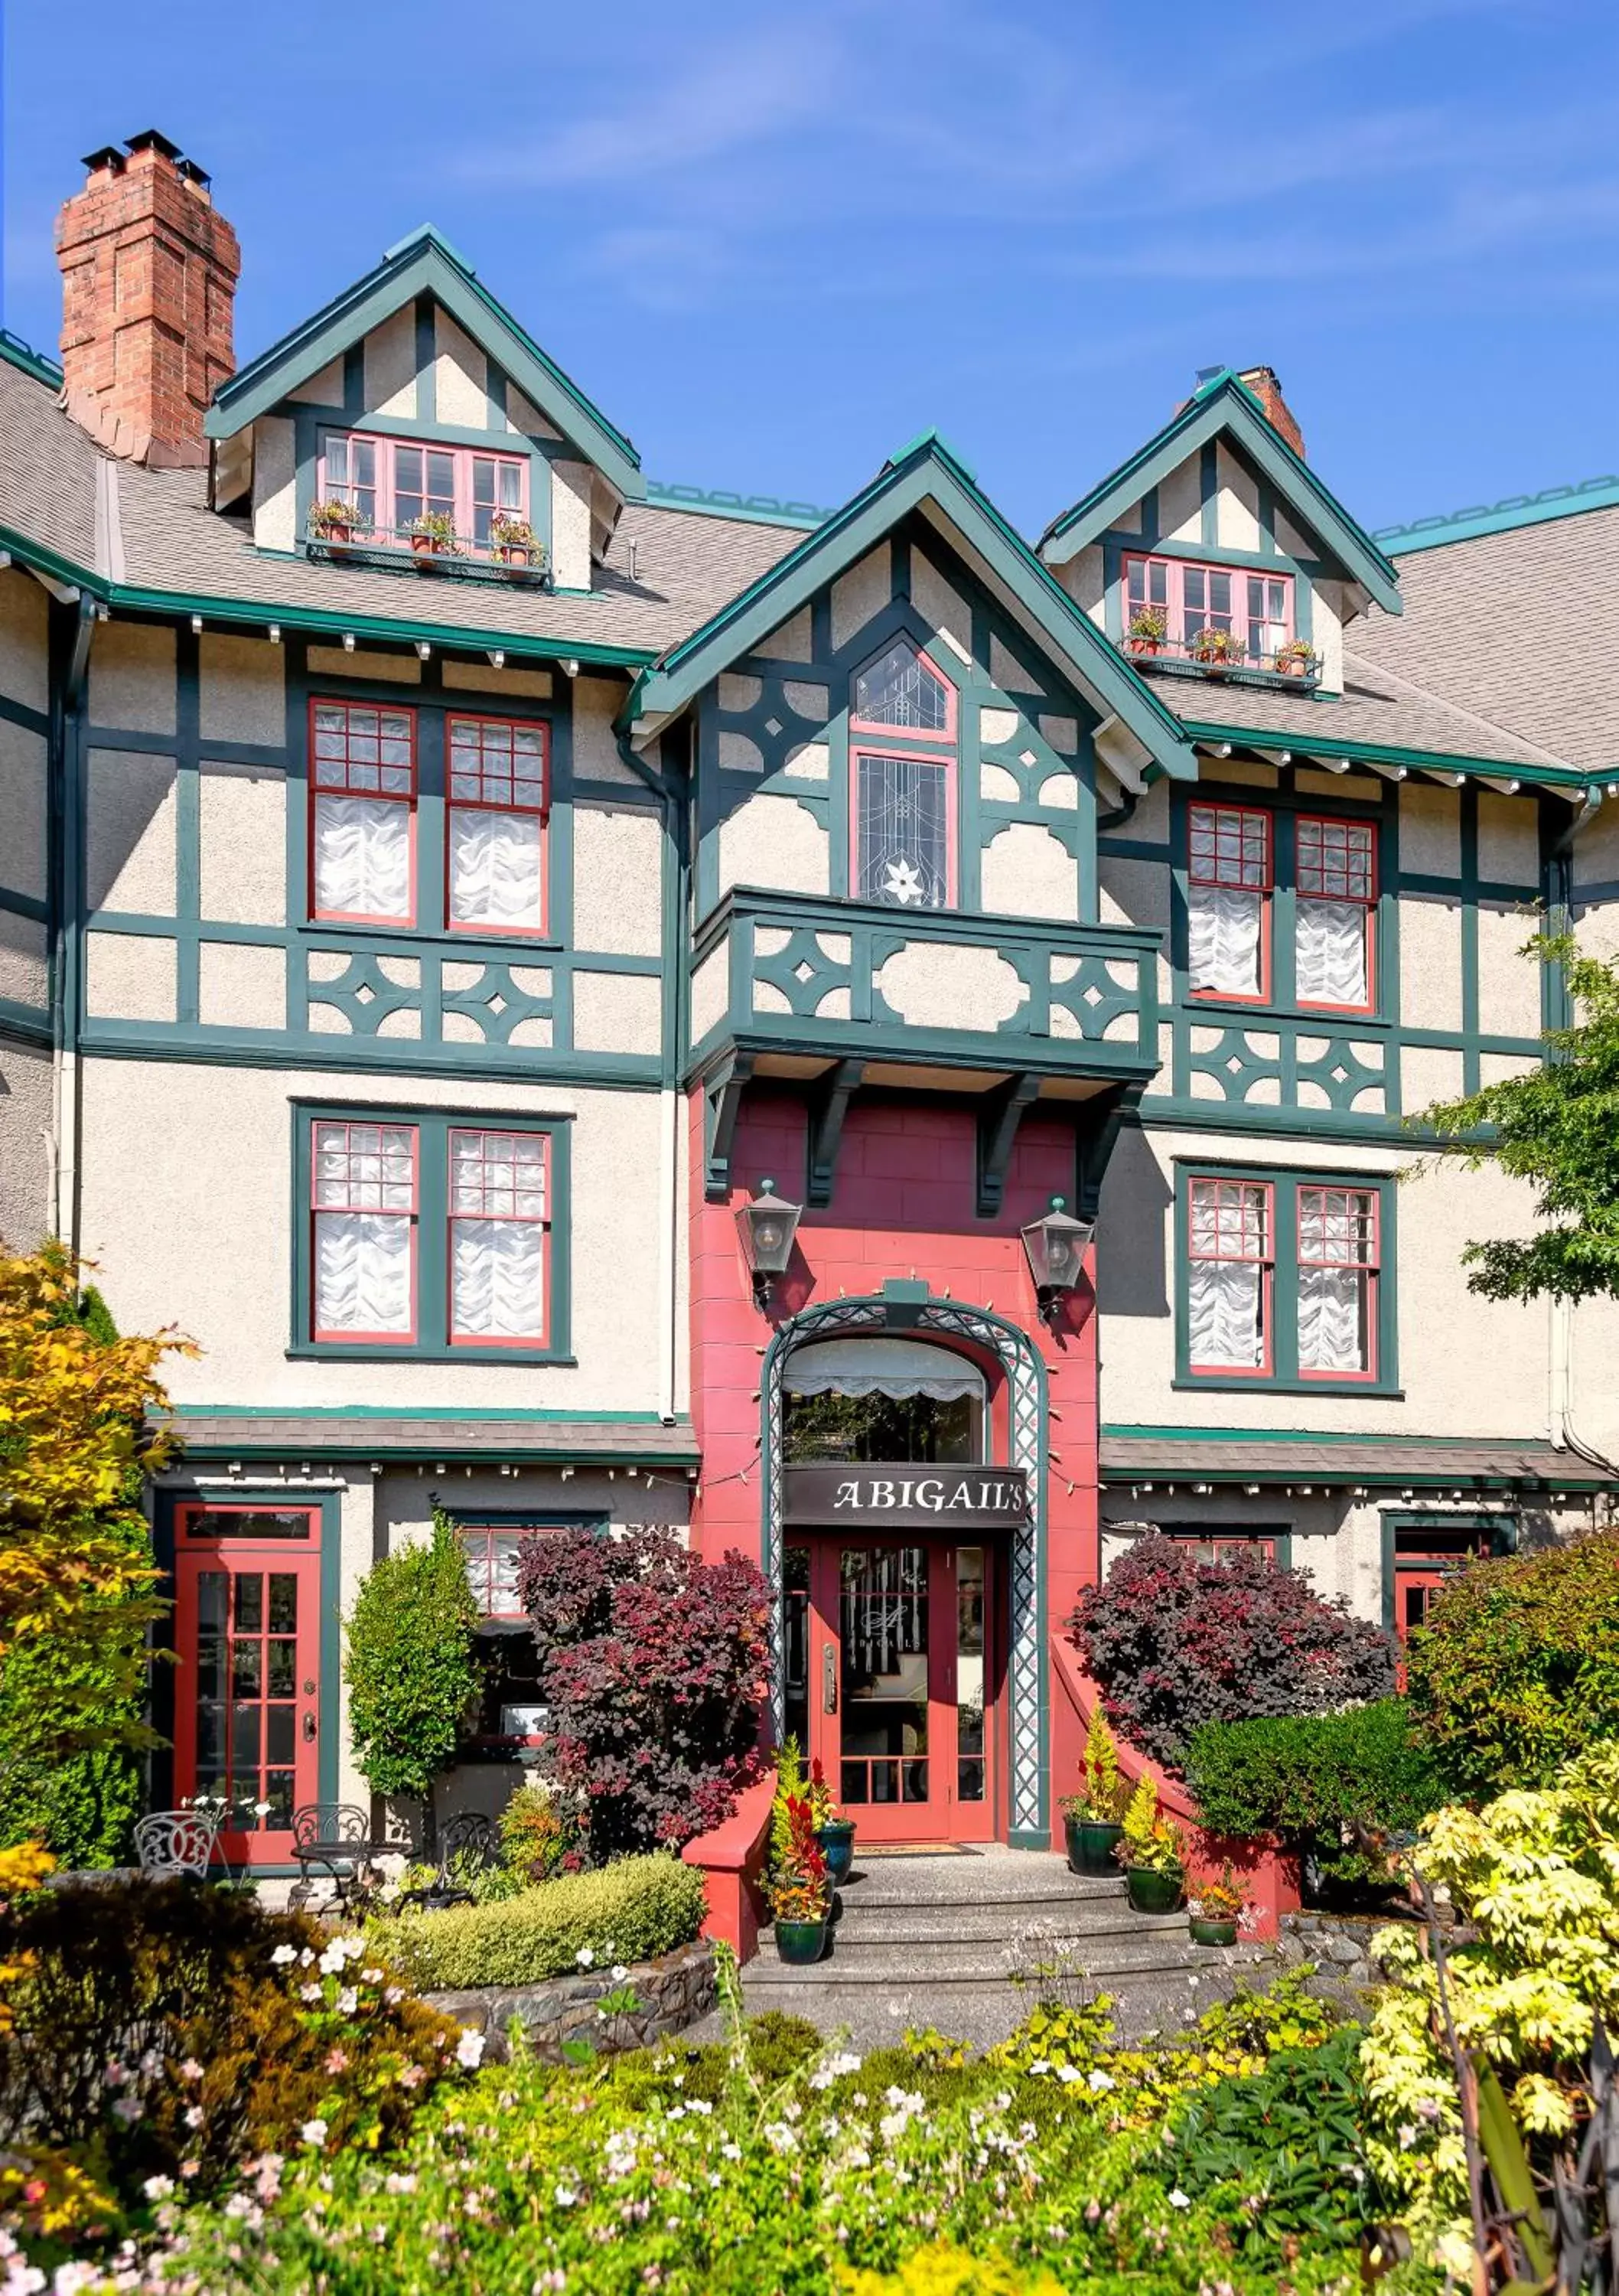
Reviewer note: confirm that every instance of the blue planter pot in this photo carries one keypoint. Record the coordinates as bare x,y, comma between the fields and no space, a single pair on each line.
837,1840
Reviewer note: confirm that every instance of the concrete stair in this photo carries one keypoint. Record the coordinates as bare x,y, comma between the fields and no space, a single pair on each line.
939,1940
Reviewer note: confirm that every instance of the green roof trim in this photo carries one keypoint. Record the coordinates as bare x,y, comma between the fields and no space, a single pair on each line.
1224,403
346,1412
926,472
719,502
426,263
18,354
1444,762
1501,517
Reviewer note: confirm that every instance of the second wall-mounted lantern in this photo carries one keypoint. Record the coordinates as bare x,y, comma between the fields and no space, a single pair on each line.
1055,1245
768,1226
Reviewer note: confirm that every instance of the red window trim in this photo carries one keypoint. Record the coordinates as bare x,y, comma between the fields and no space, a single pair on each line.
906,734
528,1339
1265,1260
486,1531
389,797
387,486
1372,1269
1369,902
454,804
1177,569
347,1338
1266,892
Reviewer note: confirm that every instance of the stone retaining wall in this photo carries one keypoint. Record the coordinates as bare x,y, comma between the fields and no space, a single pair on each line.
1340,1946
672,1992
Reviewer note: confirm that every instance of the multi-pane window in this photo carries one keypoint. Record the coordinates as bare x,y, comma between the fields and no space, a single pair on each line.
1230,1286
902,789
499,1215
1231,883
1283,1279
496,825
491,1552
431,1234
361,813
392,485
1255,609
1337,1282
363,1213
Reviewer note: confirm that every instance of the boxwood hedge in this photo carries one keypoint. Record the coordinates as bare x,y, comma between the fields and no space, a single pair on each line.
629,1910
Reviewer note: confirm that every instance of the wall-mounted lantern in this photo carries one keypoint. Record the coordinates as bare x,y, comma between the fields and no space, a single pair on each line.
1056,1245
767,1227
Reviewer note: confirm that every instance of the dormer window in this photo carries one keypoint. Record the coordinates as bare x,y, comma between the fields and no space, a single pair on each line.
1215,615
903,782
400,491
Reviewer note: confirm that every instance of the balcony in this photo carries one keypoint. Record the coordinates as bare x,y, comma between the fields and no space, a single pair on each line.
850,993
1288,667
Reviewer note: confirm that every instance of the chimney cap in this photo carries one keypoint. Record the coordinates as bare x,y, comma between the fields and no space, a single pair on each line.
110,156
193,174
152,139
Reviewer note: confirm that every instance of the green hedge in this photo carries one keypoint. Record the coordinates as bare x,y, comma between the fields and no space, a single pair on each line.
627,1912
1311,1779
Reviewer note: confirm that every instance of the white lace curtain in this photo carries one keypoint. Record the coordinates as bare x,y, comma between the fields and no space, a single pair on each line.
1331,1319
362,1272
494,868
362,857
1224,936
497,1279
1330,944
1224,1302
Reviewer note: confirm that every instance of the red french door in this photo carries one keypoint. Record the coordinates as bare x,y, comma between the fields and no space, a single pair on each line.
247,1625
890,1687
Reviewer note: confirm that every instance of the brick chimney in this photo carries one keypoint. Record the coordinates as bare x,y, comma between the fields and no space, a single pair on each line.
1262,383
149,281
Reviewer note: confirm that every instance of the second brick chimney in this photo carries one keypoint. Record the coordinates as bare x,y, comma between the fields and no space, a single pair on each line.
149,286
1262,383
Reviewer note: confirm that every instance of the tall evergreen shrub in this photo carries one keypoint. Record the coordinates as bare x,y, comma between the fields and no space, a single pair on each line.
411,1665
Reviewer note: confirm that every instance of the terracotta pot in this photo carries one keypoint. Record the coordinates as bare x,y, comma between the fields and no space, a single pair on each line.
512,554
1143,645
1294,668
1091,1844
1153,1892
422,545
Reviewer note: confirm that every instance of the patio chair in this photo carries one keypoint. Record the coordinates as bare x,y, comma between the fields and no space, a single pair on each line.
467,1841
170,1842
335,1838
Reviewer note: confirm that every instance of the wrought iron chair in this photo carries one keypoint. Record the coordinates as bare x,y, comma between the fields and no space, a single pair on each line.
170,1842
334,1838
467,1841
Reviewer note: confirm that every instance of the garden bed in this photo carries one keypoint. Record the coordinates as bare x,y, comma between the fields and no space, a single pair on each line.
668,1993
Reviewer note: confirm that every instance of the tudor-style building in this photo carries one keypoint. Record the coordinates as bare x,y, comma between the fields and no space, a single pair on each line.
446,876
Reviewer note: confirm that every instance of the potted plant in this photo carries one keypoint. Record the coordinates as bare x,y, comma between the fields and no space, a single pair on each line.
1151,1852
1214,1912
1092,1819
1217,649
337,522
1148,628
801,1889
1296,660
835,1835
433,534
512,542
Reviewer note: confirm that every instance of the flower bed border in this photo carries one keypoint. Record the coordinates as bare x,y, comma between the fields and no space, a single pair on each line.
673,1991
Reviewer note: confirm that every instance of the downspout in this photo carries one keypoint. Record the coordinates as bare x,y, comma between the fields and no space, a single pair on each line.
671,800
67,946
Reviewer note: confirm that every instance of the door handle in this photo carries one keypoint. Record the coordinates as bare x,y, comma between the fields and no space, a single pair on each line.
829,1679
308,1729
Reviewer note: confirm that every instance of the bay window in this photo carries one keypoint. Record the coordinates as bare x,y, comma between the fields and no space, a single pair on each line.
1255,609
363,813
430,1235
1283,1280
1300,922
391,483
901,781
496,831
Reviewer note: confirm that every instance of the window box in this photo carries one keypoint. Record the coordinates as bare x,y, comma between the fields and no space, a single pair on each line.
1227,622
443,510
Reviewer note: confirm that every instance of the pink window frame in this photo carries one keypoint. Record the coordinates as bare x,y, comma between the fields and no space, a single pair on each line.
526,1340
886,735
466,1532
869,739
347,1338
386,797
1368,902
870,749
1267,899
452,805
463,458
1371,1270
1177,569
1265,1262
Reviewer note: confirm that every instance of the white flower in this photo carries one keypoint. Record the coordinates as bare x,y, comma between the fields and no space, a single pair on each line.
194,2116
1040,2065
158,2189
399,2180
902,883
191,2069
1408,2136
261,1810
1101,2080
731,2152
332,1961
565,2196
619,1972
347,2001
780,2136
585,1959
832,2066
1069,2074
1178,2199
699,2105
69,2278
470,2051
314,2132
310,1993
126,2109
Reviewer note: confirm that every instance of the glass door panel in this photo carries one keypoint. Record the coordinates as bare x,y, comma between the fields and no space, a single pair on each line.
971,1782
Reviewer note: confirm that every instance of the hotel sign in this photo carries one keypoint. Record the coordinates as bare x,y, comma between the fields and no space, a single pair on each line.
899,1497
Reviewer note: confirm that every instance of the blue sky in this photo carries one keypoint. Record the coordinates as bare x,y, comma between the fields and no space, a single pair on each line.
775,243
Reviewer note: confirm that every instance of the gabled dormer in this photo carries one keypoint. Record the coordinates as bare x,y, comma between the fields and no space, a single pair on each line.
412,423
1216,553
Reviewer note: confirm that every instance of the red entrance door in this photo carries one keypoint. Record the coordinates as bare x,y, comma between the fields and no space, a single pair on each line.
889,1684
247,1623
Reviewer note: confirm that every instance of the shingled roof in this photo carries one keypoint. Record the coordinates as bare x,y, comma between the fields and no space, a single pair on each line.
1137,1454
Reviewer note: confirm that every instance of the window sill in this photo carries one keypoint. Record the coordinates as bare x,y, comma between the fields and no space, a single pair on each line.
1206,1384
1328,1019
410,1352
442,564
1168,664
463,939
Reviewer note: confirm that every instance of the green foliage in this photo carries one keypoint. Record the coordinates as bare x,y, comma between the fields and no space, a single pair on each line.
536,1833
1518,1666
791,1784
1535,1875
1103,1795
631,1911
1151,1842
411,1667
1555,1127
1327,1784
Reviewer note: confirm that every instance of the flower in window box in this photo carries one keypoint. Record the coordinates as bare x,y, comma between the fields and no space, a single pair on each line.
1148,628
512,542
1217,649
337,521
433,534
1296,659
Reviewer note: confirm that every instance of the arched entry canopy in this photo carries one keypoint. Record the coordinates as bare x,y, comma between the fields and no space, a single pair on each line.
949,1342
